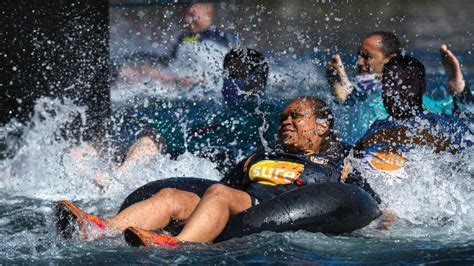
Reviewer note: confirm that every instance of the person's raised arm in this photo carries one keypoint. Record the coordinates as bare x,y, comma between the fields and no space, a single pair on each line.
337,78
462,95
452,67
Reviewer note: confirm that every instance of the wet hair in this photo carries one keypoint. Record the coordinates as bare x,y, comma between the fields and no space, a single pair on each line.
390,42
330,144
247,64
403,85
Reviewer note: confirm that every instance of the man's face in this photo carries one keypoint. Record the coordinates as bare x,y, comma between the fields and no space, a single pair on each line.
298,127
198,17
371,57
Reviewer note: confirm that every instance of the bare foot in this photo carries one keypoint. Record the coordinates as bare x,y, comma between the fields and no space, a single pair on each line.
452,67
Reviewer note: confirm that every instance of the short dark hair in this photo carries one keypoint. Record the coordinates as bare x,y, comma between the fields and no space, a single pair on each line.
403,85
390,42
246,63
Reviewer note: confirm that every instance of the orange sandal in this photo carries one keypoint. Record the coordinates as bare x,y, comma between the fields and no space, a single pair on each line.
69,217
136,237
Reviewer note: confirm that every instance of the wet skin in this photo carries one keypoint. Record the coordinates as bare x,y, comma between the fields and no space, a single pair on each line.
371,57
198,17
299,129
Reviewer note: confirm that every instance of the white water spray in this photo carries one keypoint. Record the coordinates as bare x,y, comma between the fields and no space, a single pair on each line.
437,190
47,166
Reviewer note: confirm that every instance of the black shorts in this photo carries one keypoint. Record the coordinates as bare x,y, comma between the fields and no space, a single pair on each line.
260,193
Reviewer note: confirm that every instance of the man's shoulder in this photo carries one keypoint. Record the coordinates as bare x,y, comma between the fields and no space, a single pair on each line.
440,120
381,124
217,36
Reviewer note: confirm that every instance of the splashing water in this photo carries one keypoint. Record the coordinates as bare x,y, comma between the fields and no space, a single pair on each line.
436,192
36,166
47,166
434,202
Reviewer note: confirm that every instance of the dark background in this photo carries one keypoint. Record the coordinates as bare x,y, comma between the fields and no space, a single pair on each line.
54,48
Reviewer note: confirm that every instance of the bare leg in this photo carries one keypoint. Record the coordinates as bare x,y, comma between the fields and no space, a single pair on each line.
82,154
149,144
143,147
212,213
157,211
452,67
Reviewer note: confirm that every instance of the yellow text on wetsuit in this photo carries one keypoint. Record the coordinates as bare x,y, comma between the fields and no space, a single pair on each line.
269,172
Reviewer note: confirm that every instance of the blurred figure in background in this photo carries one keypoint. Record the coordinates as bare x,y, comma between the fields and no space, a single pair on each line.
197,52
409,125
364,92
384,148
240,126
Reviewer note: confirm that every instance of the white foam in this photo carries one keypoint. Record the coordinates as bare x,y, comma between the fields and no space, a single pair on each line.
437,191
45,166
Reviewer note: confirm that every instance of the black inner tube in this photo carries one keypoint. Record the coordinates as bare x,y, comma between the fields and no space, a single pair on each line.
331,208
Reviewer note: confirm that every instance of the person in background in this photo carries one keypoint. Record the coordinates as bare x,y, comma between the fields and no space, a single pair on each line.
236,129
362,95
201,37
409,125
383,149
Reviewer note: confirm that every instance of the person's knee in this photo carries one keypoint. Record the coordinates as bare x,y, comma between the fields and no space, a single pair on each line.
165,193
144,146
146,143
178,201
236,200
218,190
153,137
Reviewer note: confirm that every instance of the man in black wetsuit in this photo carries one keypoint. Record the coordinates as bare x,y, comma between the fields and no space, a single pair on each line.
308,155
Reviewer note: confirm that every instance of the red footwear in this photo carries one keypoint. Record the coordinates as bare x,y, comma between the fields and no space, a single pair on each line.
69,217
136,237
